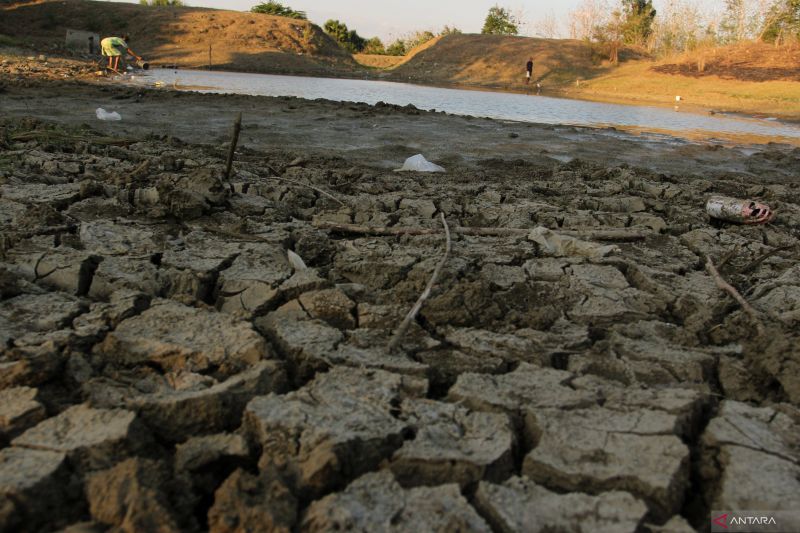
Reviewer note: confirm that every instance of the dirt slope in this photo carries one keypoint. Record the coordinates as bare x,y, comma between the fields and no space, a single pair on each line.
182,36
498,61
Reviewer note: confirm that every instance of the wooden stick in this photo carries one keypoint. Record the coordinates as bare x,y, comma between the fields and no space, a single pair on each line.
595,235
727,287
412,315
237,127
301,184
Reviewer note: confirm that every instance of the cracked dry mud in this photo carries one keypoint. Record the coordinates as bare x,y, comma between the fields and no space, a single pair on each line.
165,367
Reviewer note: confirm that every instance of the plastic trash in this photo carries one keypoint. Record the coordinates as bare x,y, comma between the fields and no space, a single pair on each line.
739,211
418,163
296,261
102,114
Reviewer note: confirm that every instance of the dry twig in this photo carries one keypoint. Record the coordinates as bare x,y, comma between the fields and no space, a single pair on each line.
237,127
618,235
412,315
727,287
301,184
752,266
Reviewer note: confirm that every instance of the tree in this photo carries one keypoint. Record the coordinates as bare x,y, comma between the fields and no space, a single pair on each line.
397,48
611,34
418,39
347,39
374,46
547,26
733,26
279,10
782,22
681,26
162,3
500,21
586,18
638,20
447,30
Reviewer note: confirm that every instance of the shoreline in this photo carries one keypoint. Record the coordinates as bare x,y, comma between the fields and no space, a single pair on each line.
560,93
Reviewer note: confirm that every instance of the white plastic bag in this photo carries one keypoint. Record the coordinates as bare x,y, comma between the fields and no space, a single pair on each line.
102,114
418,163
296,261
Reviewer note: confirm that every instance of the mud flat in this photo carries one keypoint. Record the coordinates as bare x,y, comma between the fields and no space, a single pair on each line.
166,366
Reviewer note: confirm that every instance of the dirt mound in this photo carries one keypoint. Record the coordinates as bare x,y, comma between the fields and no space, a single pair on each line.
745,62
499,61
186,36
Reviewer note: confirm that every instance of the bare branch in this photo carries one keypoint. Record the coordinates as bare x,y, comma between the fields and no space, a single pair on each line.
412,315
727,287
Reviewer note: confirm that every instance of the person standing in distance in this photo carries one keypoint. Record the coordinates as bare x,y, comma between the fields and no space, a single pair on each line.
528,71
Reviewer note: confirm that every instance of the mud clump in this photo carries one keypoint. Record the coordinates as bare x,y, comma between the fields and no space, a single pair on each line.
168,365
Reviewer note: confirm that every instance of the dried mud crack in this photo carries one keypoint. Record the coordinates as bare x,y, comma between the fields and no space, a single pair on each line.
166,366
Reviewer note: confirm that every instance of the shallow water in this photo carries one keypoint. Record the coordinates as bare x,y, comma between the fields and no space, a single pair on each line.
497,105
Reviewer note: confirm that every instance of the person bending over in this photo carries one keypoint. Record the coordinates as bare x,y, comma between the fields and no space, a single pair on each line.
113,48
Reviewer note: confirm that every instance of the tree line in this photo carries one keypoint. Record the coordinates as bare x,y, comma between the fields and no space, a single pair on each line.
683,25
678,26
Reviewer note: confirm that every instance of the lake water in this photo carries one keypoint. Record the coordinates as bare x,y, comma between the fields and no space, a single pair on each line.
497,105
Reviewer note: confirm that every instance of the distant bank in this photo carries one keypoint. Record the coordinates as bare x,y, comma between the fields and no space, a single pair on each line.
752,79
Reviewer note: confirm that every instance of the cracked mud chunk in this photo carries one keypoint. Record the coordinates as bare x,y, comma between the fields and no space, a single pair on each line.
33,485
508,347
376,502
760,445
177,415
92,438
378,358
19,410
247,502
132,496
29,316
306,342
519,504
178,337
452,444
527,387
251,283
331,305
199,452
597,450
339,425
61,268
56,195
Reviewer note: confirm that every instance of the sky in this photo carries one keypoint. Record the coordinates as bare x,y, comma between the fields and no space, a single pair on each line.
391,19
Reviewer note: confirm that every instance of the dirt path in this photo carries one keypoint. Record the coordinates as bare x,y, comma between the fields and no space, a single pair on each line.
167,364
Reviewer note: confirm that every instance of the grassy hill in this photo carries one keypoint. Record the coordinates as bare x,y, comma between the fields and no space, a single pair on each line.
182,36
